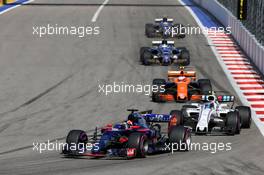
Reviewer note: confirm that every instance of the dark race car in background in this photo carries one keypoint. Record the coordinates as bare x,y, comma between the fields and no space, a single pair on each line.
139,135
165,28
164,53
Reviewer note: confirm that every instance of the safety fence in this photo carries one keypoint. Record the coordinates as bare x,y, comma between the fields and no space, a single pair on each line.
255,16
3,2
241,34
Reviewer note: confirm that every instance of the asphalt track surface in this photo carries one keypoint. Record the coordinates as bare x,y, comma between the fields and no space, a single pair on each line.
49,85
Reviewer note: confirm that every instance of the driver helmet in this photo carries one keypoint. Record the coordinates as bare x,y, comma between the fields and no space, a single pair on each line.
181,78
164,43
129,123
211,98
133,117
165,19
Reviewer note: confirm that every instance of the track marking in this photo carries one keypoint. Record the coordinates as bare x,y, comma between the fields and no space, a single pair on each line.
96,14
14,6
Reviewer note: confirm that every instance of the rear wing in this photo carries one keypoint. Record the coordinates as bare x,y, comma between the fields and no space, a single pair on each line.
219,98
159,118
160,20
157,43
174,74
225,98
146,112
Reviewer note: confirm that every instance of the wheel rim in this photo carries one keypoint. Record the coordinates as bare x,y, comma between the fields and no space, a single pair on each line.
145,147
188,142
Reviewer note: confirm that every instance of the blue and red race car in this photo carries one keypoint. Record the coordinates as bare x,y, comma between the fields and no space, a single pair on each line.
138,136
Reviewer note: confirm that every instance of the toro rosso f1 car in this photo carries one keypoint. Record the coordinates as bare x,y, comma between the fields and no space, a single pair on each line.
212,115
164,53
182,86
137,136
165,28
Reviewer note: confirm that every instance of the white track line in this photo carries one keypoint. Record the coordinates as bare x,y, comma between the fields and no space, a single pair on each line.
15,6
96,14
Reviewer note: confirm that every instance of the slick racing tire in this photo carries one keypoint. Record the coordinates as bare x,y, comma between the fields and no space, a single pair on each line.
192,92
159,82
245,116
205,86
185,55
76,138
150,30
233,122
141,52
180,138
147,57
156,97
139,142
178,115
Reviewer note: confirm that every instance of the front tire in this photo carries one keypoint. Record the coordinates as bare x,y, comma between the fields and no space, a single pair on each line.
76,138
139,142
181,136
156,97
141,52
205,86
147,57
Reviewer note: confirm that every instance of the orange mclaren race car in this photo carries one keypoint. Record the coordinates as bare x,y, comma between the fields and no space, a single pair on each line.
181,86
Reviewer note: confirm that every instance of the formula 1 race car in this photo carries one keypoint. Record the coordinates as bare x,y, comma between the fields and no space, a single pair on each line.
164,53
137,136
165,28
212,115
181,87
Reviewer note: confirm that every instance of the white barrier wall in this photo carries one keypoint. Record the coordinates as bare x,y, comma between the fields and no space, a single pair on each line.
246,40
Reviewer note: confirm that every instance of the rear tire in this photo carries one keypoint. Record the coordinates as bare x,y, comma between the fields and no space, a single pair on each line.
139,142
178,115
180,136
205,86
233,122
159,82
155,95
245,116
185,55
150,30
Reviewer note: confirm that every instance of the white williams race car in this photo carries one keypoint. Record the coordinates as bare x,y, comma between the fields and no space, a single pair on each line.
212,115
